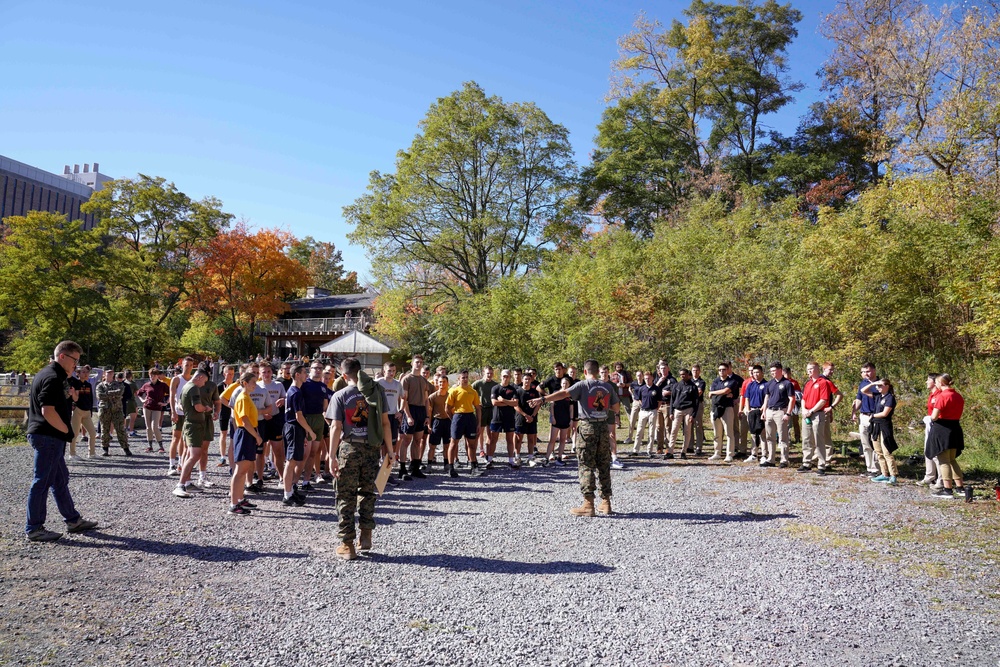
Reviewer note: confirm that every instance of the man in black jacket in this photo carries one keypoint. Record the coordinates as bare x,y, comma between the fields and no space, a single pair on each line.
683,401
49,418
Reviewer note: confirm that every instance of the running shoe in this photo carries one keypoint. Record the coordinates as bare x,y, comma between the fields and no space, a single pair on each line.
180,492
247,503
239,510
617,465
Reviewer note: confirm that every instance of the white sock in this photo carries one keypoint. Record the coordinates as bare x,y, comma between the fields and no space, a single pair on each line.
289,494
174,462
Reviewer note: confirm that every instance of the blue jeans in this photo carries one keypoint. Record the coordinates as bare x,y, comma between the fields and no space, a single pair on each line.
50,473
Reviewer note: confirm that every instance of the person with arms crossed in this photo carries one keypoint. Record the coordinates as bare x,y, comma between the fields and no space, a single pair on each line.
83,407
484,387
723,392
504,400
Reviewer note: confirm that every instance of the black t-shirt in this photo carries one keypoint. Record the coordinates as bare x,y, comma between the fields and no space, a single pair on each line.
504,413
525,395
85,393
665,384
286,383
553,384
700,384
562,411
50,387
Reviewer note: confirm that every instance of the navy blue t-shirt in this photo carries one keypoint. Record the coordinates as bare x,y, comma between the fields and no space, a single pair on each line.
648,397
755,394
295,401
733,383
314,394
779,393
868,403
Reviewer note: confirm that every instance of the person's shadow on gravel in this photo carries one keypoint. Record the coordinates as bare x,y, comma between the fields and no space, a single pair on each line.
697,517
212,553
457,563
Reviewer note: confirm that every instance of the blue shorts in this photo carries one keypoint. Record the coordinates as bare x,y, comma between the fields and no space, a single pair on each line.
244,446
419,414
502,426
295,439
464,424
440,431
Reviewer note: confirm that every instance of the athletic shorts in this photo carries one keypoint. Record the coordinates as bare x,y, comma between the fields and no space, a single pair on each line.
318,424
485,417
326,431
273,428
244,446
419,414
179,426
209,427
394,426
295,441
225,414
194,434
464,424
525,428
502,425
561,425
130,407
612,417
440,430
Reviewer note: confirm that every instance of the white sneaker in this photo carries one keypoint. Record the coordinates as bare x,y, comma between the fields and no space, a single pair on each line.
617,465
729,459
627,441
751,458
715,457
532,463
73,458
181,493
204,484
173,472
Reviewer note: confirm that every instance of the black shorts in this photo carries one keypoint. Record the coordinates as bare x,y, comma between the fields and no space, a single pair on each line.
561,424
244,446
273,428
419,414
485,417
326,430
295,441
440,430
225,414
394,426
502,425
525,428
464,425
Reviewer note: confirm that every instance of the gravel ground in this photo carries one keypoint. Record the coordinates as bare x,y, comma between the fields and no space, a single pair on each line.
702,565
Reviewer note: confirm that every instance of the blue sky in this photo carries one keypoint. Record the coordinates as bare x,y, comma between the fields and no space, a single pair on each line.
281,109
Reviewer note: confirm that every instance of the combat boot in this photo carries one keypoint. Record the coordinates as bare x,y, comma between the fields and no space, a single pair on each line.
365,540
604,507
586,509
346,551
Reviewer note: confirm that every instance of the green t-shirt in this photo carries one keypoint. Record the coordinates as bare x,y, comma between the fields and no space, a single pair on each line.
485,390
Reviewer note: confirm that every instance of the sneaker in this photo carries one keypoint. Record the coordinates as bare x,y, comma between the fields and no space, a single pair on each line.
627,441
728,459
561,462
943,493
42,535
221,464
750,459
247,503
452,472
328,477
765,463
149,450
181,492
534,462
891,481
515,464
714,457
489,465
319,480
239,510
803,468
133,434
73,458
668,456
821,470
81,525
257,487
783,464
880,478
927,481
307,487
617,465
204,484
161,450
173,472
290,500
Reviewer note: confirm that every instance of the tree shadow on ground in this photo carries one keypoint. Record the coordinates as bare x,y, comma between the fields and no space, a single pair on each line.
702,518
457,563
211,553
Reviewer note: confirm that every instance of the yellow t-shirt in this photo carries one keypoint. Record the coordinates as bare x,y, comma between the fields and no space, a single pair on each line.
463,399
229,391
244,411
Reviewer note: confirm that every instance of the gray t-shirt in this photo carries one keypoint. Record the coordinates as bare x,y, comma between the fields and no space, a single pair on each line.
393,390
594,398
349,407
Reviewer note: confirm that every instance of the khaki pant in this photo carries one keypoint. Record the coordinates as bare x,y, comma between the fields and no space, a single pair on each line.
871,460
698,427
633,418
662,425
82,418
815,442
948,466
886,462
153,419
647,419
742,431
725,427
776,432
682,419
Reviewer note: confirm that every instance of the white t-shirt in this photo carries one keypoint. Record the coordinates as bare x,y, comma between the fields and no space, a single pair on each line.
393,392
275,390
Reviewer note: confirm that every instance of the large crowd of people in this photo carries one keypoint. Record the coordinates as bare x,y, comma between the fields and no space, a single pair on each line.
307,424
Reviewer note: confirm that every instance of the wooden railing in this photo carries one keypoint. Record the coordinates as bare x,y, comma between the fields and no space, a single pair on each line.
312,325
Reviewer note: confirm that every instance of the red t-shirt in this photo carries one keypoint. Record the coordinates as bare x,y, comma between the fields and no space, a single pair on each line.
930,400
815,391
746,383
950,403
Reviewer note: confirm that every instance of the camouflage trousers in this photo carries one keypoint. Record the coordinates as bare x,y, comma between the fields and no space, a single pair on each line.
110,417
595,459
359,464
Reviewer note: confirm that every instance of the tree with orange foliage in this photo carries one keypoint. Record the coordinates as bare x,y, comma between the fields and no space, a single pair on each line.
246,276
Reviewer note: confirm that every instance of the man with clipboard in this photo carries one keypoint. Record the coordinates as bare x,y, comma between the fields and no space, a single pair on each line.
359,434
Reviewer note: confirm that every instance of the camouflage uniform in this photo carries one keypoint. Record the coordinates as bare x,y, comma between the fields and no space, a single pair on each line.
112,413
359,465
594,454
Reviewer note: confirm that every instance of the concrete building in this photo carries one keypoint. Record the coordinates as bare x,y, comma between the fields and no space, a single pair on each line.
25,188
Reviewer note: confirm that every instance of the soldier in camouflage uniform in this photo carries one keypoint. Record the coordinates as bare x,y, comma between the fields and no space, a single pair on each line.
359,436
595,400
112,412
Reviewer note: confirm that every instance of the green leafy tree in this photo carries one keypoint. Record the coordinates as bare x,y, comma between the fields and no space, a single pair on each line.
325,265
152,232
471,199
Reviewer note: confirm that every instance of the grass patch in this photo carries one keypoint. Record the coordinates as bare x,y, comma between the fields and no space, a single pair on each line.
930,570
824,537
649,475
